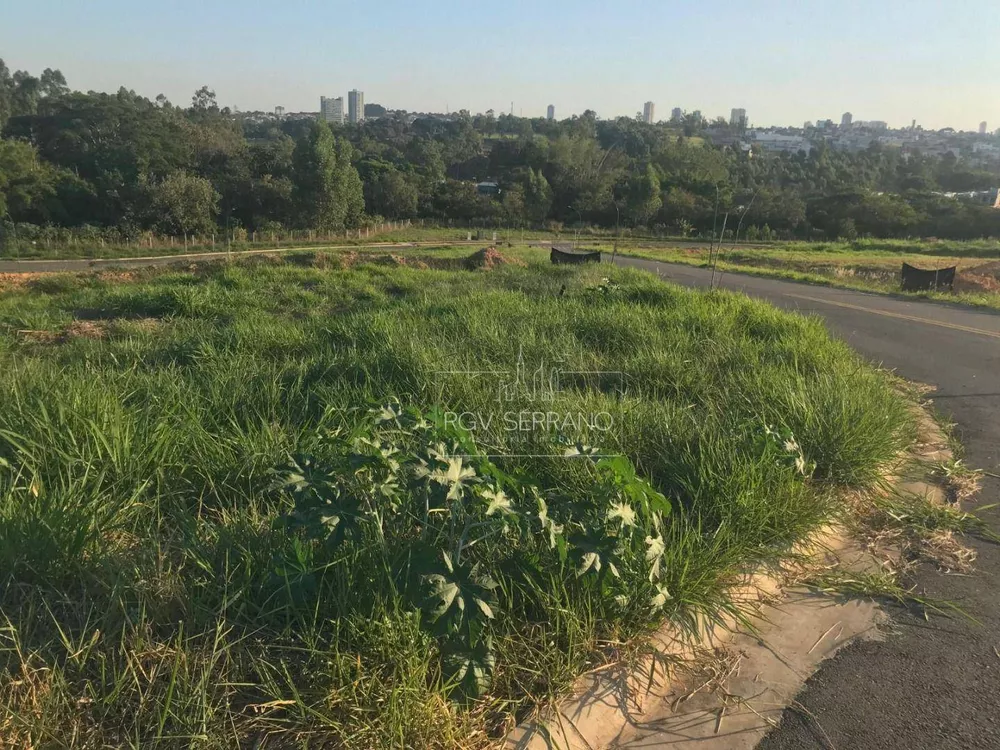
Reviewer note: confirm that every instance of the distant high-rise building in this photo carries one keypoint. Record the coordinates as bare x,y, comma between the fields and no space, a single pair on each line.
647,112
846,120
676,114
551,113
331,110
982,128
355,106
738,119
280,111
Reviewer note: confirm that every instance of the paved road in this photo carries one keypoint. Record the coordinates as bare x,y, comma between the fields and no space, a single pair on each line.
935,684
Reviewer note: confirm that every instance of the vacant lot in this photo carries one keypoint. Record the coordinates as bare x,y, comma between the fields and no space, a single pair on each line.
870,266
235,511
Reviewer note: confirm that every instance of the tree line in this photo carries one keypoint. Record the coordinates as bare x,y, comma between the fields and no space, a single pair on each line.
123,161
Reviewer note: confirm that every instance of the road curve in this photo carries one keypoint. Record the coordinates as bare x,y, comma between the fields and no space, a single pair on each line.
933,684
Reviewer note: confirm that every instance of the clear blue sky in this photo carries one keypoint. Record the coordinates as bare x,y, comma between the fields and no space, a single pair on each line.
785,61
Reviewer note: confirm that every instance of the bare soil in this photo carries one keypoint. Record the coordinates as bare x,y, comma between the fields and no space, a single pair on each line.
489,258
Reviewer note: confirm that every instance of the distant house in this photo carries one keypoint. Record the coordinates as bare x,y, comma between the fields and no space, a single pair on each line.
789,144
488,188
989,198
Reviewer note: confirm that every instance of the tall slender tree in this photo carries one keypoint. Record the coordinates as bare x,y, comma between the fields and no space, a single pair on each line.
327,190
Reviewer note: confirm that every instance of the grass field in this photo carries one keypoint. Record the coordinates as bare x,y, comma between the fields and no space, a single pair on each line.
870,266
53,248
234,510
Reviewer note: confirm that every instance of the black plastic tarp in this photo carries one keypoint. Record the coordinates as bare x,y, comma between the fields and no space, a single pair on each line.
921,280
566,255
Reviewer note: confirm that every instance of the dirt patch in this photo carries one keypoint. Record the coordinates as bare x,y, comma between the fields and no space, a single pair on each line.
39,337
86,329
490,258
261,259
54,282
323,261
340,260
970,282
78,329
981,278
17,280
401,261
327,261
117,276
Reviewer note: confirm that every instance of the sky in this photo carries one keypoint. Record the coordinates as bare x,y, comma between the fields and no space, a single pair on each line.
784,61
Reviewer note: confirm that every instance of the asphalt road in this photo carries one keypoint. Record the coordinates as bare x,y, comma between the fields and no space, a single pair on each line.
932,684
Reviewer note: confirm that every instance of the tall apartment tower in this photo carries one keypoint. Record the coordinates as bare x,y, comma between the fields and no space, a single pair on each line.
331,110
982,128
846,120
676,114
356,106
551,113
648,112
738,118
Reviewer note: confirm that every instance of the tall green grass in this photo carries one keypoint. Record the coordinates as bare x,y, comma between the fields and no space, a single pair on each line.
865,265
150,596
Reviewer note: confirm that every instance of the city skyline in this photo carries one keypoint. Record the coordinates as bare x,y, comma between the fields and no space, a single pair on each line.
892,62
738,117
341,113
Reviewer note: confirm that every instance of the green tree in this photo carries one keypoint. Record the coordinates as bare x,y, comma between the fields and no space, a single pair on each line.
456,200
6,93
22,178
391,195
781,209
327,192
53,83
21,92
426,157
643,199
538,197
204,100
183,204
27,92
114,142
349,185
581,173
34,191
514,205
